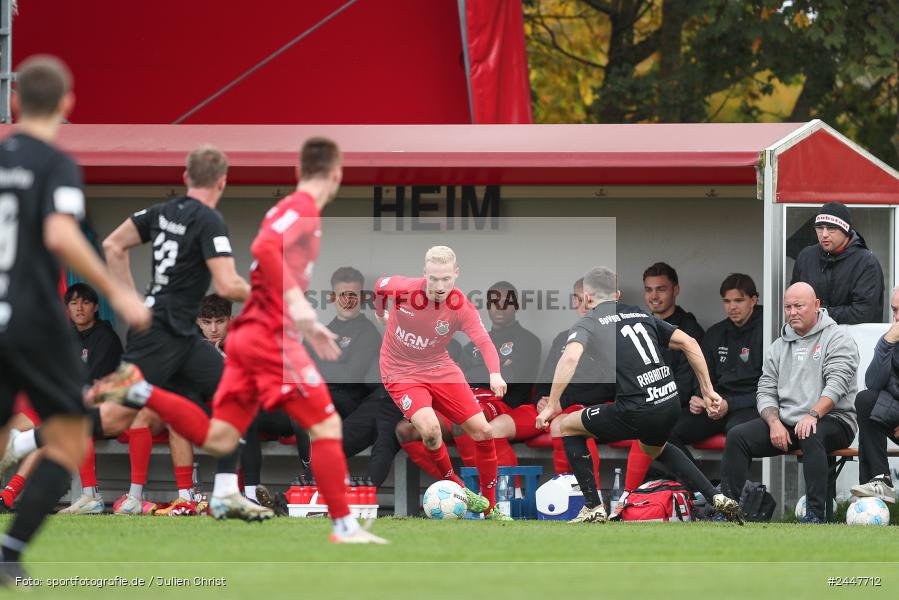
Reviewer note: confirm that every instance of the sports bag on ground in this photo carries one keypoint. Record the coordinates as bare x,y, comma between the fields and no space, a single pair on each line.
756,503
659,500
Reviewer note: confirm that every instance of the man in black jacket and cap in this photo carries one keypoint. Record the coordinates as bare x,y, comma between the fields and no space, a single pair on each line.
845,274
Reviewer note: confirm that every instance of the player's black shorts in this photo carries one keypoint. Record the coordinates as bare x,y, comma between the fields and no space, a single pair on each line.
188,365
46,366
650,425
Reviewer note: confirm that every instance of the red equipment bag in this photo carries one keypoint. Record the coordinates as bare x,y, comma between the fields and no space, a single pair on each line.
659,500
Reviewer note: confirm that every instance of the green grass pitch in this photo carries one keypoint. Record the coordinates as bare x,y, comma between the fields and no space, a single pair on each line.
290,558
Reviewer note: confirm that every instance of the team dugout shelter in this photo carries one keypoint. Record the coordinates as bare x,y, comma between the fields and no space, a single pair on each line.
709,199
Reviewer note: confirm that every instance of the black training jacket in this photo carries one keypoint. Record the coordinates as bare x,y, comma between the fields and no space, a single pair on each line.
684,377
734,356
101,349
849,284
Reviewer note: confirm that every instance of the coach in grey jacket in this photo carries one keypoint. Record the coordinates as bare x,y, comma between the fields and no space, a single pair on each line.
806,399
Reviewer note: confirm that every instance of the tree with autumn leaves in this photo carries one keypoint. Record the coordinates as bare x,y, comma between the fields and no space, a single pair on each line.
668,61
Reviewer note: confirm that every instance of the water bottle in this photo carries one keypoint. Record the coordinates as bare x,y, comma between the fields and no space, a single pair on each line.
352,492
371,496
504,495
616,491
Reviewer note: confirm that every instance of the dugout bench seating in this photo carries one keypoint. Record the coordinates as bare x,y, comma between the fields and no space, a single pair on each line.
407,476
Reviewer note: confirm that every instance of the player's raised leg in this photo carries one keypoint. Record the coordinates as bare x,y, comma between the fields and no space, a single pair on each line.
309,405
414,400
574,439
479,430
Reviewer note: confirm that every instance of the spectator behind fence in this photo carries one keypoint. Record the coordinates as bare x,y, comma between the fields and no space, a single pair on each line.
878,414
805,398
845,274
101,348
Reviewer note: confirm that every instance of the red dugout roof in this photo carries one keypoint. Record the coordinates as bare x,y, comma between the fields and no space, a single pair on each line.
817,164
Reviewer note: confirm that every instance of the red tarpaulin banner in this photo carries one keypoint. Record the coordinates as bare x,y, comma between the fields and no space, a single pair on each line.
498,64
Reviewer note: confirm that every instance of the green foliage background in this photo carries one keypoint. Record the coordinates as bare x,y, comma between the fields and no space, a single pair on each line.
669,61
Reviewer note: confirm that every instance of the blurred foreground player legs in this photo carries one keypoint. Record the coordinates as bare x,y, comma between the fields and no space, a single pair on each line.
626,344
191,250
266,362
40,204
419,374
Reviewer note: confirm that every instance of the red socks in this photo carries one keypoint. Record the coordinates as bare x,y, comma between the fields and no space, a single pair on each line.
505,455
11,492
637,466
88,468
140,445
486,462
330,472
560,461
440,458
184,477
465,447
422,457
184,416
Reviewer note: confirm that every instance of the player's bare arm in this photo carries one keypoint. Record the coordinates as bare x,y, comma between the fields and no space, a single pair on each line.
225,280
116,246
63,237
498,385
561,378
808,425
322,339
690,347
780,437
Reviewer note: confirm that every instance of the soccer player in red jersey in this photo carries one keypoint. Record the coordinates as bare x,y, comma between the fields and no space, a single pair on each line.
266,364
419,374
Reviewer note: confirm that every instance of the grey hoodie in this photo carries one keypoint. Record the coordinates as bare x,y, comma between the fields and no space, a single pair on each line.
798,370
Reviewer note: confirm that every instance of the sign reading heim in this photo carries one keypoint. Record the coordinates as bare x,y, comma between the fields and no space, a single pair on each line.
435,208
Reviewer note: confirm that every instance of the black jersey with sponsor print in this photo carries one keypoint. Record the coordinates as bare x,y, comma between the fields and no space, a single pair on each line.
185,233
36,180
38,348
627,341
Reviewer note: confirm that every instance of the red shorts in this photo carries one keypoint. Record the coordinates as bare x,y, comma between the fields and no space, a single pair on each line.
23,406
450,395
270,371
524,416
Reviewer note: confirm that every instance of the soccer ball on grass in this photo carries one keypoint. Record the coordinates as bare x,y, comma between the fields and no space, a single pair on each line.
802,506
868,511
445,500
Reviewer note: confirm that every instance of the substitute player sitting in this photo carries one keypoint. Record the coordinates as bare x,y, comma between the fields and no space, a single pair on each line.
626,344
420,376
